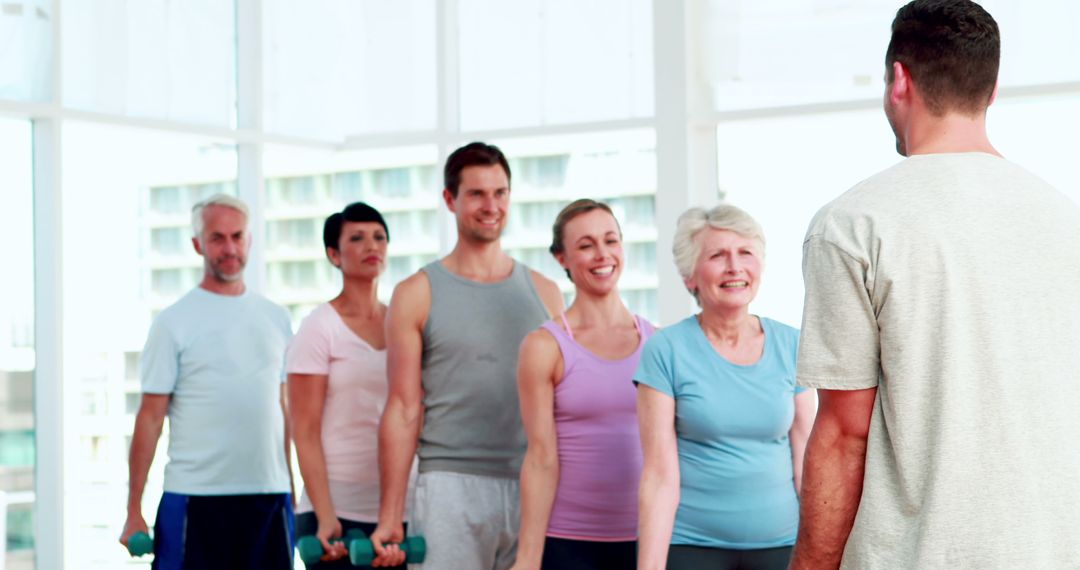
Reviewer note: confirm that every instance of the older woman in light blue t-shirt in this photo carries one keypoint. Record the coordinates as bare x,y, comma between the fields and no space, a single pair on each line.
723,425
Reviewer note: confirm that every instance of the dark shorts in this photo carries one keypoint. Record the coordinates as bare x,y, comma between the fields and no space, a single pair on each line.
307,524
567,554
686,557
227,532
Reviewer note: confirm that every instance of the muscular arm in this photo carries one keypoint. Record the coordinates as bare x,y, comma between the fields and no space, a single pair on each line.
399,430
538,365
658,494
549,293
833,477
805,409
148,423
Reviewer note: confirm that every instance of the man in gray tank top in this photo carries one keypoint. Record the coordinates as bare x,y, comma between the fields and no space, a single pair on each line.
453,333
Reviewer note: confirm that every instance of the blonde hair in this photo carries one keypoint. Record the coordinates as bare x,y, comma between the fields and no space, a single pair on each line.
686,247
223,200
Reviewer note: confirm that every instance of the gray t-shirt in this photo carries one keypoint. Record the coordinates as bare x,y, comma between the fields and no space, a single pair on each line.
951,283
222,359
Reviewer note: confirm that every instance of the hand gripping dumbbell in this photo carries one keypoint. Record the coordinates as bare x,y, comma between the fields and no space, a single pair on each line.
362,552
311,550
139,544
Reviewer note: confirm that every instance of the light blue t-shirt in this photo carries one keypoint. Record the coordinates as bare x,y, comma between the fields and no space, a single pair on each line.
737,486
222,359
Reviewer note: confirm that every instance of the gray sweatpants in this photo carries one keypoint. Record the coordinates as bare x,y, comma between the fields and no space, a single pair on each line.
470,522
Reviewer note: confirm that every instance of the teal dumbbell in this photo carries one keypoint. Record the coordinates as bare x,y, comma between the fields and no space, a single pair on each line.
311,549
139,544
362,552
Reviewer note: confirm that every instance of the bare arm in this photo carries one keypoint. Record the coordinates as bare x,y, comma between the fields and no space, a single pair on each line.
658,494
399,430
549,293
805,409
307,397
284,401
539,365
148,423
833,477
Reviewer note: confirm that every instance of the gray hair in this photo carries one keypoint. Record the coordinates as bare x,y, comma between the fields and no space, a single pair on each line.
223,200
687,247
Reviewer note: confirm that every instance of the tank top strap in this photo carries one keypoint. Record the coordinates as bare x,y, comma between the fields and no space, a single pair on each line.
567,345
566,325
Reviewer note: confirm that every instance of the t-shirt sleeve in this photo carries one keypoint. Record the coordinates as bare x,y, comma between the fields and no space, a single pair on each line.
838,343
159,364
309,350
654,369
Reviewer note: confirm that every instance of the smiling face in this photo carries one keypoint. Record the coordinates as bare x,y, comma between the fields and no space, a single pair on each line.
592,251
481,203
361,251
223,243
727,271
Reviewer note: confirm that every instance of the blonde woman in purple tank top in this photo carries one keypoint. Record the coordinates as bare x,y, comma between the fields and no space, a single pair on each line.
580,474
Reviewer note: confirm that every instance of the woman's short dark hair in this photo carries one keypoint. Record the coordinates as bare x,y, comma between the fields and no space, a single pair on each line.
355,212
472,154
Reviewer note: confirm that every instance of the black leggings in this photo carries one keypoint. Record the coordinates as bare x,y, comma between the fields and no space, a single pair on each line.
567,554
686,557
308,524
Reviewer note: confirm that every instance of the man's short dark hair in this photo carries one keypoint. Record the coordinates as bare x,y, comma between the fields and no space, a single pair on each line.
472,154
951,49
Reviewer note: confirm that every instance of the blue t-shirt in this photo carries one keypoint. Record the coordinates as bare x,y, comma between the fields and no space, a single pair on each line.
737,485
222,359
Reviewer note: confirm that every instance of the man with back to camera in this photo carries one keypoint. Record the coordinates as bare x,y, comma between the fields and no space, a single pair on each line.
453,333
941,328
213,364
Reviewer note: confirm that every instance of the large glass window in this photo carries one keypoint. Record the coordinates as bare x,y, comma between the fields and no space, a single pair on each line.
151,58
340,67
618,168
755,54
539,62
303,187
26,58
127,254
17,356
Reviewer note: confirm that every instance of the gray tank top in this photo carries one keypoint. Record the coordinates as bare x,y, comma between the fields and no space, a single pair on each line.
472,420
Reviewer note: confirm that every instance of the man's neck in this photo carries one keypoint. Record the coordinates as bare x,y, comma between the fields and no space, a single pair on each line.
230,288
951,133
484,262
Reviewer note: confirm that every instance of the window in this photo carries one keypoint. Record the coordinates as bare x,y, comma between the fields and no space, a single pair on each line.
335,53
540,62
153,58
17,355
169,241
27,61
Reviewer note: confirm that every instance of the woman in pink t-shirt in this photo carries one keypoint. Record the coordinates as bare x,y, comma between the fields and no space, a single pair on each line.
338,387
575,379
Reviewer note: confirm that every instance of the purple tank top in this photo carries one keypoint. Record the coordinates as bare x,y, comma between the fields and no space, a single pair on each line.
599,445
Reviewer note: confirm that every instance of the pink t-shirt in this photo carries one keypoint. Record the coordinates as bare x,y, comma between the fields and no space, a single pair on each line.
356,394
